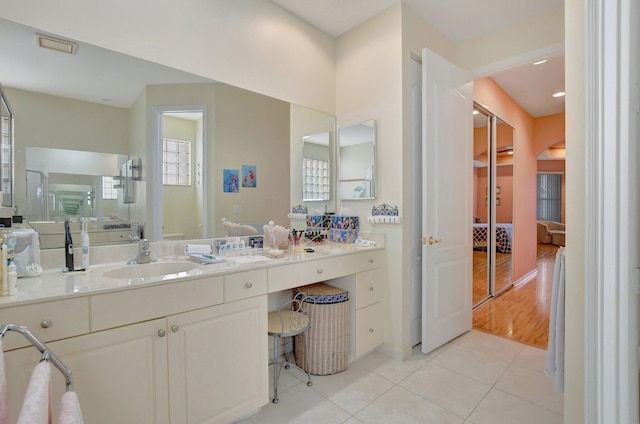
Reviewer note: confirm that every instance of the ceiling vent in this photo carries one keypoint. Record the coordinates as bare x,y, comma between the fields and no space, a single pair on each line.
56,44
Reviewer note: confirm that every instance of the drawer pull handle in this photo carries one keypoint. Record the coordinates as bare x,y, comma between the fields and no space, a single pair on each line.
319,270
174,328
370,261
371,330
371,288
46,323
161,333
248,285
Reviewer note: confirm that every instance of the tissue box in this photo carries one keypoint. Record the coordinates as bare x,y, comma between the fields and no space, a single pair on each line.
342,236
345,222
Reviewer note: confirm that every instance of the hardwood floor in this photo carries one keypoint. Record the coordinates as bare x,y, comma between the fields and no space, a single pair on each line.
522,313
480,282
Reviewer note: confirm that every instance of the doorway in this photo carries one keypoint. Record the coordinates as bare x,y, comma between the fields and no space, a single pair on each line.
179,180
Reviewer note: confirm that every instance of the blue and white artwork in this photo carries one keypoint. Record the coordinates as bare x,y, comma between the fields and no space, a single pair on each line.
230,180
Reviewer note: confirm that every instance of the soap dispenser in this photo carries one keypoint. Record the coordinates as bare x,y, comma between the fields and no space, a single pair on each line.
68,247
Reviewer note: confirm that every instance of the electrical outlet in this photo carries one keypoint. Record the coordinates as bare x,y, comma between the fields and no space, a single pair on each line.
237,209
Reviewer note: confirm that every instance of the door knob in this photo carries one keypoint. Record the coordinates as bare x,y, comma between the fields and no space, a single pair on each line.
434,241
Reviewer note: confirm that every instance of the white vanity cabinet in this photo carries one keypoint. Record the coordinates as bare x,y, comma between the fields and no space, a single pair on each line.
207,365
120,375
366,290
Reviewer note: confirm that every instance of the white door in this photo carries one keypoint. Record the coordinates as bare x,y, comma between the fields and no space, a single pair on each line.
447,132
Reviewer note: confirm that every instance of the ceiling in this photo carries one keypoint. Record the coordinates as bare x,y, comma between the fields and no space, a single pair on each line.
530,86
66,75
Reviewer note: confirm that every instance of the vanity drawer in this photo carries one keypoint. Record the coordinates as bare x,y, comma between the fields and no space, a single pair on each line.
369,332
245,284
368,287
47,321
296,275
135,305
370,260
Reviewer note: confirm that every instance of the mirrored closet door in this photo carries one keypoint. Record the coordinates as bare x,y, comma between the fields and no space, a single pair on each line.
493,206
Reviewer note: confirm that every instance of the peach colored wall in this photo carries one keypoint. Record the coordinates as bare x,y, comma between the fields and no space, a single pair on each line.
487,92
556,166
547,131
480,195
504,179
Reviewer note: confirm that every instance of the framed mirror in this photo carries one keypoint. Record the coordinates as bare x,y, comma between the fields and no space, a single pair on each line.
357,161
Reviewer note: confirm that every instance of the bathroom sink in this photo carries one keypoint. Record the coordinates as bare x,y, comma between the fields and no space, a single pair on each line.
150,270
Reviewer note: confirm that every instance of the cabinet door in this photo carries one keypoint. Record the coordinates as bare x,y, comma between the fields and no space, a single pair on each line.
120,375
369,332
218,364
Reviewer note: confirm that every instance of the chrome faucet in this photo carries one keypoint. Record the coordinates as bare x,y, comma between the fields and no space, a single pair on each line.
144,253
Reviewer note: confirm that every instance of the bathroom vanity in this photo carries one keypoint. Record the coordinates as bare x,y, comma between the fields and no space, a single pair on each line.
188,347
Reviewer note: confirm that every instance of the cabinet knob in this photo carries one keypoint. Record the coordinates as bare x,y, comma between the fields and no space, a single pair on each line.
248,285
370,288
174,328
46,323
370,260
371,330
319,270
161,333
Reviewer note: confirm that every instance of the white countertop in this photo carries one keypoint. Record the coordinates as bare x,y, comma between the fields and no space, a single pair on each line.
54,284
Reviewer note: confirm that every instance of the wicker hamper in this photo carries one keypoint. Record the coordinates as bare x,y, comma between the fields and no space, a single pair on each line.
328,336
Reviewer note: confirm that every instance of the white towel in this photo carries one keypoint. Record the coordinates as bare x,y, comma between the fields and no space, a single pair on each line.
36,407
4,399
70,412
555,350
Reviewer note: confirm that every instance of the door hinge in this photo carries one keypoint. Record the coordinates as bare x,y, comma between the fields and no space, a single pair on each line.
637,280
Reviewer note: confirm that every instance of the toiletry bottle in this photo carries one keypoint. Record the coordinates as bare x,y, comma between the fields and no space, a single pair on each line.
12,277
84,241
68,247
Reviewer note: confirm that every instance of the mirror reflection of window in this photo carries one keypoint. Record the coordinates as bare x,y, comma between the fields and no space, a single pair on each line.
176,161
315,167
357,161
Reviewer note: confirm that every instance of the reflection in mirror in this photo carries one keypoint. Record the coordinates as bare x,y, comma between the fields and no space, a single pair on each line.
72,183
103,101
315,167
504,189
356,158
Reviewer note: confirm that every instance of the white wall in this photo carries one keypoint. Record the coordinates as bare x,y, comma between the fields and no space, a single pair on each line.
252,44
575,211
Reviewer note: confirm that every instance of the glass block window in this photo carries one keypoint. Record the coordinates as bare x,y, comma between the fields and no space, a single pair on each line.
315,179
176,162
108,188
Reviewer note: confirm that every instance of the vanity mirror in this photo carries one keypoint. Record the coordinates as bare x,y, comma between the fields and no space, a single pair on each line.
357,161
236,128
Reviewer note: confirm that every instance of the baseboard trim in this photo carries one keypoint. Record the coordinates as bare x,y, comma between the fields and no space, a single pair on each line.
526,278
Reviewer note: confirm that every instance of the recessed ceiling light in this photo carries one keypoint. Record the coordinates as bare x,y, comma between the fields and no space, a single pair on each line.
559,94
475,112
540,62
56,44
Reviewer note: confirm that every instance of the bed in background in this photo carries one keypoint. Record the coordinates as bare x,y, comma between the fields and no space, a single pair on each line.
504,235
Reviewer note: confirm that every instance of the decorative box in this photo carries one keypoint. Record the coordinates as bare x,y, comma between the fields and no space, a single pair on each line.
342,236
345,222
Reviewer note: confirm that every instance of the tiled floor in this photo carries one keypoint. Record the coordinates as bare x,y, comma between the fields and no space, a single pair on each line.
477,378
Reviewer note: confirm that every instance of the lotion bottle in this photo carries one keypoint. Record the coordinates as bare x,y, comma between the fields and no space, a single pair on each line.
84,241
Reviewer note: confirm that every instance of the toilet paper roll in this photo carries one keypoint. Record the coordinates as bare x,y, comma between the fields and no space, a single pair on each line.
200,249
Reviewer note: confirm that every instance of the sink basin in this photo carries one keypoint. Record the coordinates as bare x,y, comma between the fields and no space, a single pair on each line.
150,270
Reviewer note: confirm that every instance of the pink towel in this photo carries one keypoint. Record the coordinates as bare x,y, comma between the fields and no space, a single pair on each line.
4,399
36,407
70,409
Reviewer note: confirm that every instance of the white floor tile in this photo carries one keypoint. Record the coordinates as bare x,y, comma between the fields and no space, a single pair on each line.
531,385
498,347
533,358
301,406
399,405
352,389
455,392
472,363
501,408
389,368
353,420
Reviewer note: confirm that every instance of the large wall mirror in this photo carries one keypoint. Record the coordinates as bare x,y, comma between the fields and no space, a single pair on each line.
110,105
357,161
